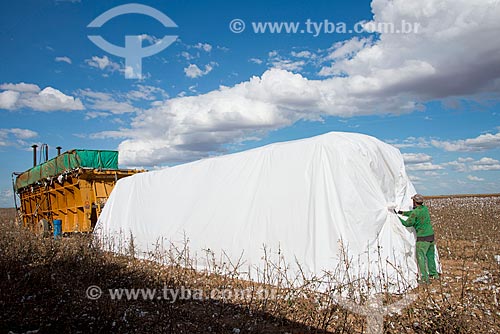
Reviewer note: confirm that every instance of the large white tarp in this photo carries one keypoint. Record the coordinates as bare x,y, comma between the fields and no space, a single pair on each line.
312,200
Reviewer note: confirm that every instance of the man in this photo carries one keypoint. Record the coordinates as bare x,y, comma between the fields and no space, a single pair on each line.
419,219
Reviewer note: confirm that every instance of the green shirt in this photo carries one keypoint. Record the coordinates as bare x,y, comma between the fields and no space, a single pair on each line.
419,219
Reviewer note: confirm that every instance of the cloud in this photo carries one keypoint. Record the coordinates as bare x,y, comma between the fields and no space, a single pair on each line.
469,164
194,53
347,49
480,143
343,50
410,142
474,178
222,48
203,46
457,166
272,54
146,92
256,61
287,64
105,102
434,173
16,136
303,54
8,99
24,95
103,63
23,133
415,179
6,198
424,166
485,164
193,71
50,99
63,59
149,38
20,87
114,134
416,158
278,62
391,74
485,167
429,64
187,55
486,161
95,114
220,117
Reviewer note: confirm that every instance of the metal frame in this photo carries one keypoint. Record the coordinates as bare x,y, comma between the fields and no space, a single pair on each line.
76,197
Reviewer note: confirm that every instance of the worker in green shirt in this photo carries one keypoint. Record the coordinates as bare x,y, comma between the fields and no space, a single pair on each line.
419,219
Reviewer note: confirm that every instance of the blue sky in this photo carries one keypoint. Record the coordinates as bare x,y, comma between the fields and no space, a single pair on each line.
432,92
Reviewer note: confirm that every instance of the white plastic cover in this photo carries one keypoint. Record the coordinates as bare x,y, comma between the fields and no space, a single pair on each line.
304,198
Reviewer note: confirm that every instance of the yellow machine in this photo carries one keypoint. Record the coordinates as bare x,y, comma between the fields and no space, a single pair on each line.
72,187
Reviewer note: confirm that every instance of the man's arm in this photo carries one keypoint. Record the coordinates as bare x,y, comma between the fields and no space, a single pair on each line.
410,221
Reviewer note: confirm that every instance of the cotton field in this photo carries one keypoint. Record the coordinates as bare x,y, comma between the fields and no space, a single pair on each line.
51,286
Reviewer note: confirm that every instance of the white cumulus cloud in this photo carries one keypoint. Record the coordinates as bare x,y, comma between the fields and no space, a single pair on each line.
424,166
419,142
6,198
105,102
474,178
485,164
193,71
415,158
102,63
22,95
63,59
485,167
16,136
8,99
203,46
287,64
256,61
480,143
469,164
22,133
21,87
303,54
393,73
50,99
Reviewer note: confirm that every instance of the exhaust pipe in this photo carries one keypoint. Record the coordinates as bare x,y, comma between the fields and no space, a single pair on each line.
47,153
58,148
34,154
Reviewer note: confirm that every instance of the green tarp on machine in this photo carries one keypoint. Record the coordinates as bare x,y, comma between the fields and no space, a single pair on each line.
68,161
